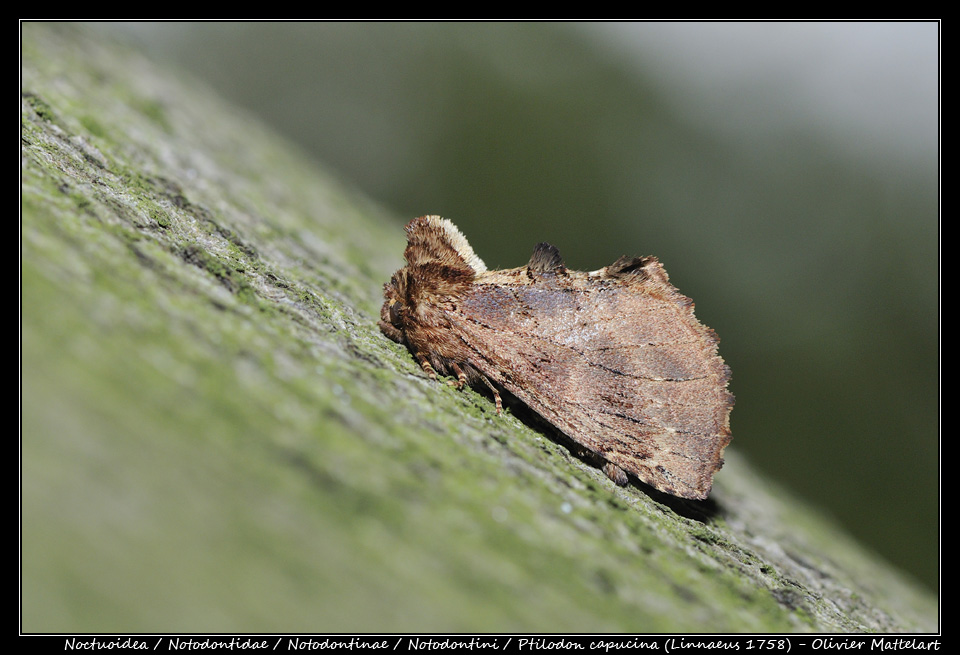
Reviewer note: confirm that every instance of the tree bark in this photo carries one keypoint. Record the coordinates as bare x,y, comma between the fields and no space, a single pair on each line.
216,437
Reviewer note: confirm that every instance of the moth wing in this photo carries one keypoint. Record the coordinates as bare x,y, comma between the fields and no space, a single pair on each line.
615,359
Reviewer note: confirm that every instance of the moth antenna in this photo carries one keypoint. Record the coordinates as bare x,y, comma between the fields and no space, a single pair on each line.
545,259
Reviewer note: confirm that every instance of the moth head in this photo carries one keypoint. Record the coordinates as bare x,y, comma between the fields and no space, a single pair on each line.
441,266
394,307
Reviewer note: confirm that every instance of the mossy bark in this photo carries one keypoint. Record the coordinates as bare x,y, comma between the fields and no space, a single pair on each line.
216,437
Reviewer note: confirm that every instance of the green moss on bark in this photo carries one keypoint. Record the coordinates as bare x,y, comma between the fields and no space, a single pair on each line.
216,436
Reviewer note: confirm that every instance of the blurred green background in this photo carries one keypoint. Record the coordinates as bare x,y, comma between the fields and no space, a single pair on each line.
785,173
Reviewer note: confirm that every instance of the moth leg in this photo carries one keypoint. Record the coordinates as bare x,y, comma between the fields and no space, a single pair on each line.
427,368
496,395
461,377
615,473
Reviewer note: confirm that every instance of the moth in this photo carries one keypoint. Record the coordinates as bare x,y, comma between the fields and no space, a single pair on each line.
615,358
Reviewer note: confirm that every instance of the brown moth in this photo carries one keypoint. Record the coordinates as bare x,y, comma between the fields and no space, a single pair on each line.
614,358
